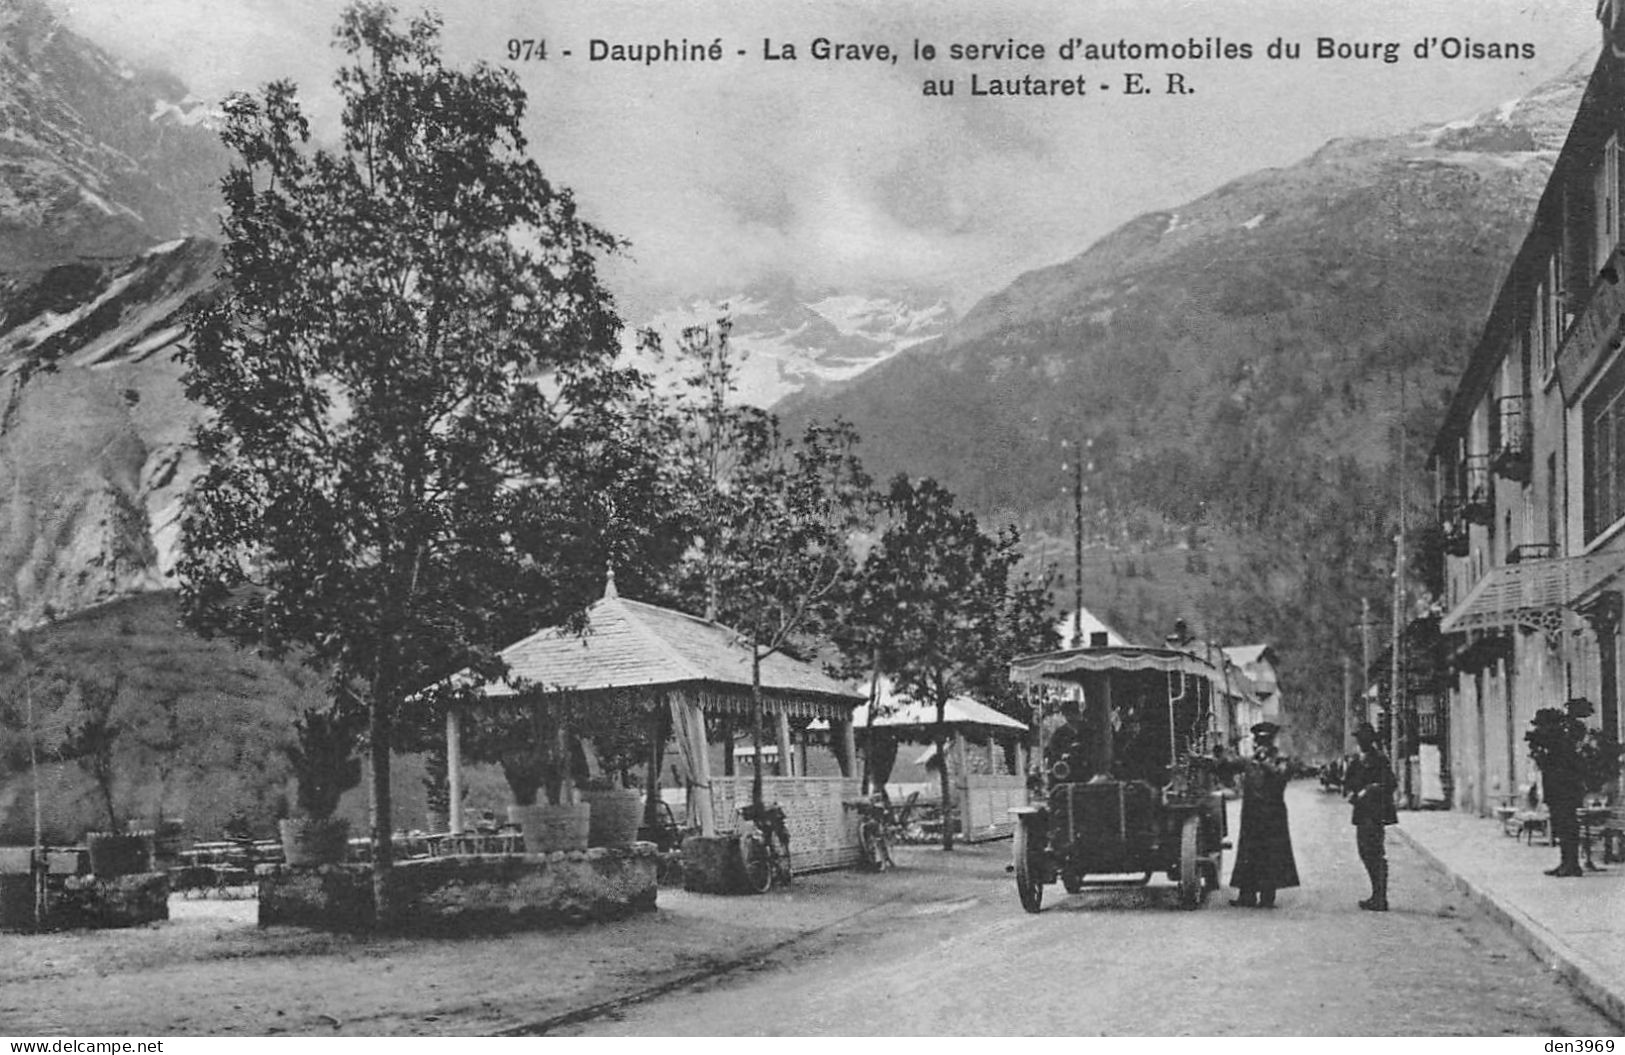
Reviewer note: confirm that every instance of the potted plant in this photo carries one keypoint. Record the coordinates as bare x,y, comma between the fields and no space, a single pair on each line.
325,765
617,811
1600,753
532,750
437,791
90,743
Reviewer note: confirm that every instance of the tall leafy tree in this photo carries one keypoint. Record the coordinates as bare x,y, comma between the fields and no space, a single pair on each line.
942,608
784,521
409,354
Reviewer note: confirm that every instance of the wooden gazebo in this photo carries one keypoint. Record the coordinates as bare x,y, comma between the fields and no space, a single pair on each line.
982,799
653,657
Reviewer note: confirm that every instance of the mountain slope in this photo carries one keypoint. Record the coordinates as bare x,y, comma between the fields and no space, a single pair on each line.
1239,363
96,159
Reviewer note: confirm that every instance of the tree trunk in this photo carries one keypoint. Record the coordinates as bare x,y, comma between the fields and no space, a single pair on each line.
940,734
869,716
379,728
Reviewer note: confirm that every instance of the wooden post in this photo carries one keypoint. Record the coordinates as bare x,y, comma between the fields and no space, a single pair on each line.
700,798
454,770
849,731
787,758
963,781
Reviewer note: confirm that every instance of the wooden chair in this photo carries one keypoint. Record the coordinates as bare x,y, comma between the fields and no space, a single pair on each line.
1612,834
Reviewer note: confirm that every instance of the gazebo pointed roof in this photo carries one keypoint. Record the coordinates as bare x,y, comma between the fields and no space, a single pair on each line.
633,648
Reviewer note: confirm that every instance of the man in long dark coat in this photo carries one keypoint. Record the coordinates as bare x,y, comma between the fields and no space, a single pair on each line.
1562,782
1264,862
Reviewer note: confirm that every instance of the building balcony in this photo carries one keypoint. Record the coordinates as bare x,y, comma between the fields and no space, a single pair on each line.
1477,496
1453,526
1510,454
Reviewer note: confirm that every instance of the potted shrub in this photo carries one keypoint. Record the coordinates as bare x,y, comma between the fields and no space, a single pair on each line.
437,791
90,743
531,749
617,812
325,765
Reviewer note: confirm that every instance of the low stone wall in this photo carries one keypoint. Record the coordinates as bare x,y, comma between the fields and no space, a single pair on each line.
475,893
120,901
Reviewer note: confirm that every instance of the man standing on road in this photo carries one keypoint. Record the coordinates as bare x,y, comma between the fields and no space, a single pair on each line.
1264,862
1370,785
1554,741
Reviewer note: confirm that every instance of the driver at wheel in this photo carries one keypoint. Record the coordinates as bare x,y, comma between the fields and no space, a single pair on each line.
1066,756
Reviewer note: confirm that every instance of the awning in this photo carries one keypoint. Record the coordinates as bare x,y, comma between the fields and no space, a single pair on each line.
1533,593
1068,664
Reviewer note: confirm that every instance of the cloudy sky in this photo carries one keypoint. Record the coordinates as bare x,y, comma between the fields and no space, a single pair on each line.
842,175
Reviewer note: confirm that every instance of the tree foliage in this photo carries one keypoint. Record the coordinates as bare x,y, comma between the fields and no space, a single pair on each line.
410,381
940,608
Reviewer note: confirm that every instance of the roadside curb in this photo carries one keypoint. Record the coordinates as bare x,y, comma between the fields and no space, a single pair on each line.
1547,947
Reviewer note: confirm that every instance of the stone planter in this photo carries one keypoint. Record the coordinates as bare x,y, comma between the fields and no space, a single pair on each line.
617,813
712,864
119,854
307,841
550,829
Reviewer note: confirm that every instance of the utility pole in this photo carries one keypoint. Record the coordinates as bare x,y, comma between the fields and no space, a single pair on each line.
1348,703
1365,644
1396,692
1081,452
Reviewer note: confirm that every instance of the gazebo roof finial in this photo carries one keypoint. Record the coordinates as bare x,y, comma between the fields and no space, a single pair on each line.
609,581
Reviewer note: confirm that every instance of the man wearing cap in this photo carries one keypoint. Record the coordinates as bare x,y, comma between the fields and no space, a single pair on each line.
1068,745
1370,785
1561,780
1264,862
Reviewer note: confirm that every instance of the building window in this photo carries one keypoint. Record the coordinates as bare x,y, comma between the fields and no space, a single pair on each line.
1605,453
1606,192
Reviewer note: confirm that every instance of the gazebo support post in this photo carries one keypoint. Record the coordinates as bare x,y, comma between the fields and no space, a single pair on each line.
699,793
849,734
659,733
962,782
454,770
787,757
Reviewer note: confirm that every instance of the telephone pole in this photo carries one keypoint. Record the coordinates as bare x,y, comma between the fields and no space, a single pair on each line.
1080,457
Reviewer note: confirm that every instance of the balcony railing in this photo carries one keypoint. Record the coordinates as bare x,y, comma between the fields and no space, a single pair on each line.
1510,457
1453,526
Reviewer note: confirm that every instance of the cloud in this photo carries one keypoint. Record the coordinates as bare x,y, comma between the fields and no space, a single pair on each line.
842,174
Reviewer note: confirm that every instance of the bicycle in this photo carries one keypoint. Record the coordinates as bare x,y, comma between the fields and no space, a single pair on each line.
766,850
874,838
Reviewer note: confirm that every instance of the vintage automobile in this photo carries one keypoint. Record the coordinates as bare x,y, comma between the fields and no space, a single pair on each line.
1139,792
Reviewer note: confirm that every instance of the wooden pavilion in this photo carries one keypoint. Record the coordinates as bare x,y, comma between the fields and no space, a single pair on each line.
982,799
649,659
